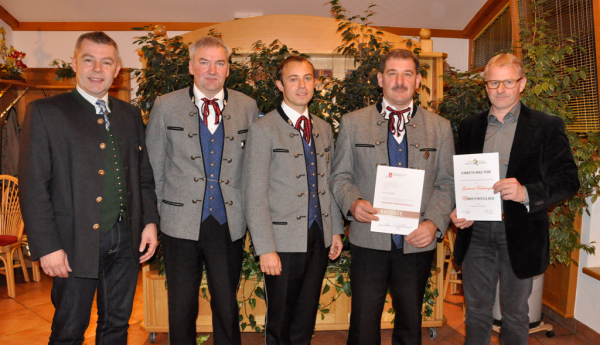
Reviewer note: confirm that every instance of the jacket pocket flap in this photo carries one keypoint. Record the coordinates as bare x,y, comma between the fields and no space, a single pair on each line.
243,131
428,149
279,223
364,145
281,150
173,128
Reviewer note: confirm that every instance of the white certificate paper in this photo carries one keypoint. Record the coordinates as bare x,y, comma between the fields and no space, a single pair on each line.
474,177
398,193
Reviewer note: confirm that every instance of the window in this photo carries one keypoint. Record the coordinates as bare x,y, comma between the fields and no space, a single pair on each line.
495,39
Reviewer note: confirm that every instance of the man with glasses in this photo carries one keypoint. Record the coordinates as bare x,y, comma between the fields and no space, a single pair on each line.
537,170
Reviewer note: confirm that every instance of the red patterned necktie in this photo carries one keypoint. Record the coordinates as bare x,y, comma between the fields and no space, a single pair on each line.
303,125
205,111
397,129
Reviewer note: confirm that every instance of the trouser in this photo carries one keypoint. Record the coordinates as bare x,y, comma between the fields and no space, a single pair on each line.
184,260
293,296
73,297
372,272
486,260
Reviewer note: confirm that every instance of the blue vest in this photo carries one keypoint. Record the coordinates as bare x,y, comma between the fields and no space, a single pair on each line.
314,206
398,158
212,151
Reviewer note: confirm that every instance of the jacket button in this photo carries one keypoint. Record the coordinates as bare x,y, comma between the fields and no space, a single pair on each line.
192,113
226,181
417,145
297,155
193,157
194,201
322,174
316,135
299,194
229,160
100,121
379,122
103,146
96,226
377,142
227,116
100,172
98,199
231,137
291,135
298,217
196,179
190,135
230,203
326,214
298,175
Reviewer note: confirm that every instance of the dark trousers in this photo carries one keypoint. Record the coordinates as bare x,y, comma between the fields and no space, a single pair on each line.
184,260
485,261
293,296
372,272
73,297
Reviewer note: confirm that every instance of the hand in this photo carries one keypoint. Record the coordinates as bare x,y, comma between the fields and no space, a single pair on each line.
270,264
56,264
510,189
461,223
423,235
149,238
363,211
336,247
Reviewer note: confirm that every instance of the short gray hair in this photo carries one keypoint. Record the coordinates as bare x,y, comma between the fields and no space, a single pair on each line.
208,41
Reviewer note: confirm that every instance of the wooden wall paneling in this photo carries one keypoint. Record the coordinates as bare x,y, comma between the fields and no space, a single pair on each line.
596,10
560,284
8,18
486,14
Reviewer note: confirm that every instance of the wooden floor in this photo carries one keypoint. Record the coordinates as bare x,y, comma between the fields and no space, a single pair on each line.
26,320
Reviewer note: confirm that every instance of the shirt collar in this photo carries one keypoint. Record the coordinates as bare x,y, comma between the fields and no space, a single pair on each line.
292,114
512,114
93,99
385,104
199,95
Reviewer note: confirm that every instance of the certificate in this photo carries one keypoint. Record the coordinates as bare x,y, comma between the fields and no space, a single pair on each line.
474,178
398,193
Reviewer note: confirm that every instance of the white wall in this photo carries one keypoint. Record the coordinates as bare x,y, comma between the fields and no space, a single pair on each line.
587,300
44,46
9,34
457,50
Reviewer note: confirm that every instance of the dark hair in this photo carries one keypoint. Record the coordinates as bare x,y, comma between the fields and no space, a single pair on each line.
400,54
287,60
96,37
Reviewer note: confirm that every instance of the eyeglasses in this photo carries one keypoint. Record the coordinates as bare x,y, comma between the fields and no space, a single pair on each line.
508,83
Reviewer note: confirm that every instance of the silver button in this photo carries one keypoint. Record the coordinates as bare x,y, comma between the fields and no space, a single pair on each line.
194,201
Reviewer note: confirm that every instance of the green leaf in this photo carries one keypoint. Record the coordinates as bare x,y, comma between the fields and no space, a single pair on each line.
259,292
325,289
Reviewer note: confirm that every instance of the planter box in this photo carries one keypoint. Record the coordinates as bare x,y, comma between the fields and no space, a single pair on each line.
156,312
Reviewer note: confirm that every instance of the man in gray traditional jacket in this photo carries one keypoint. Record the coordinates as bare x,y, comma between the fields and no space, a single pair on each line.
291,215
393,132
196,139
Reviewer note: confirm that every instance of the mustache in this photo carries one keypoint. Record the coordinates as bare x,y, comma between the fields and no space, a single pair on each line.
400,88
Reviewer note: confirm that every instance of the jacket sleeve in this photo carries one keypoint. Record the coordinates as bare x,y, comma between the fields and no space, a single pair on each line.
147,186
442,200
35,176
255,191
341,180
560,171
156,143
336,214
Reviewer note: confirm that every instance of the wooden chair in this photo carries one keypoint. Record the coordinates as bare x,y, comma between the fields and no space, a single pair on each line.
11,231
451,280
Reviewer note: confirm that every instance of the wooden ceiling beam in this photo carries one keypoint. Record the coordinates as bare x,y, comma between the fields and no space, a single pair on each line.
9,19
106,26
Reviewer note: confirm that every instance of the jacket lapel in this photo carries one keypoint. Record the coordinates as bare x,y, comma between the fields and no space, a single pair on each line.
415,136
522,140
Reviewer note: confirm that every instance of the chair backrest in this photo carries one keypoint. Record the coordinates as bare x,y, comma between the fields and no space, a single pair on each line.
11,220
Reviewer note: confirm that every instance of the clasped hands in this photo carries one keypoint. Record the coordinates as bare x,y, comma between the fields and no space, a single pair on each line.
364,212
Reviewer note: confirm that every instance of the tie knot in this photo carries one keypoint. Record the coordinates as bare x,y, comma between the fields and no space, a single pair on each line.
102,104
205,111
397,112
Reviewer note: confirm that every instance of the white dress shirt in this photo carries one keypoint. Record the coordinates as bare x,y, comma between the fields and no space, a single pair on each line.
406,115
294,116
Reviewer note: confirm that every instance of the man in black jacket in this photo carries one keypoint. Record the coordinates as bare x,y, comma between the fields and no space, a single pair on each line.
87,196
537,170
